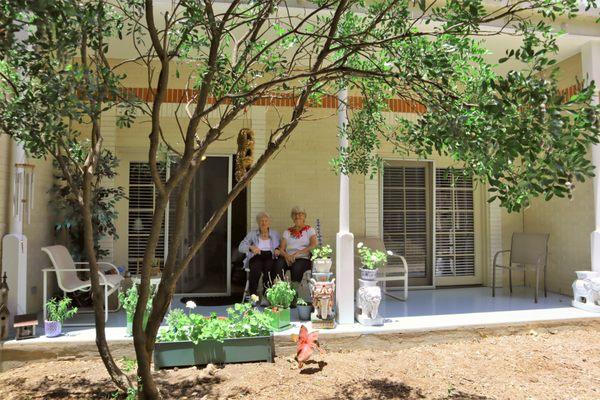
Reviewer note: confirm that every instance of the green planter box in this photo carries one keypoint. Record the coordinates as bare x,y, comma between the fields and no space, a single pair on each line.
186,354
280,319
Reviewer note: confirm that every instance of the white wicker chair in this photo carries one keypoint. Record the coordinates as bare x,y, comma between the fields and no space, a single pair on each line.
68,281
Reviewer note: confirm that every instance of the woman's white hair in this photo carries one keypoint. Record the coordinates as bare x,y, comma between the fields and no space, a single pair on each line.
260,216
297,210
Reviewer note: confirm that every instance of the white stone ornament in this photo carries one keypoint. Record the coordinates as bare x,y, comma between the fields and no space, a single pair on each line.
586,291
368,299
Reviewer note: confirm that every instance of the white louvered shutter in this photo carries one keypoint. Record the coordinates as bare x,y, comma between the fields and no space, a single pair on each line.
454,224
405,230
142,200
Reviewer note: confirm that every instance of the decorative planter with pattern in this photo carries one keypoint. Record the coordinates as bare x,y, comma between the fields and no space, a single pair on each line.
52,328
368,274
235,350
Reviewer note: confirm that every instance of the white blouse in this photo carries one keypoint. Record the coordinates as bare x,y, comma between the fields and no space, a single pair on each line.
294,244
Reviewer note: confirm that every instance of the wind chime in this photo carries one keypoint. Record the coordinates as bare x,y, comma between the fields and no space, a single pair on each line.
245,153
23,192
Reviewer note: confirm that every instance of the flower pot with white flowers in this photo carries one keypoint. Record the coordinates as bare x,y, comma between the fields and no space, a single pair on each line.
321,259
371,261
58,311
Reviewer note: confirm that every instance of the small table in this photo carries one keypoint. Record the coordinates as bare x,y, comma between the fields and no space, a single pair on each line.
154,280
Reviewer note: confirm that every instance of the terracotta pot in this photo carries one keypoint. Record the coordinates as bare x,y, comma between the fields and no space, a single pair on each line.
52,328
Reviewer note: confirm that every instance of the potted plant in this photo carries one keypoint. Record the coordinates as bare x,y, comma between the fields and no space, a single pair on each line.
371,260
304,309
192,339
280,296
58,311
321,259
129,301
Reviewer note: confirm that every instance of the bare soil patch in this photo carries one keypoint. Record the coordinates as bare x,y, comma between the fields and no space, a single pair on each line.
528,363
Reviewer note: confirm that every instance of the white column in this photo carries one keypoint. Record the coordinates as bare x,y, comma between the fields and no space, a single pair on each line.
590,65
344,260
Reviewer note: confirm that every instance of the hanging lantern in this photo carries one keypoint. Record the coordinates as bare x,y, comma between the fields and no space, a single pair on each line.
23,193
245,154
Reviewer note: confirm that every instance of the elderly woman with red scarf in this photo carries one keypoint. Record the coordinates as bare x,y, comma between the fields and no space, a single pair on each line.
296,245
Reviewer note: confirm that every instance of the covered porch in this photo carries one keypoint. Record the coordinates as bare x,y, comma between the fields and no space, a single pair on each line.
425,310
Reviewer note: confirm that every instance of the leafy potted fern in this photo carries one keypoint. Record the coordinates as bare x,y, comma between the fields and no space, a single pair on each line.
58,311
371,260
280,296
193,339
321,259
129,301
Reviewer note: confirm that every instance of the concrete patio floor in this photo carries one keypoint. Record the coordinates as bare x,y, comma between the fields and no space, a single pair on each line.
425,310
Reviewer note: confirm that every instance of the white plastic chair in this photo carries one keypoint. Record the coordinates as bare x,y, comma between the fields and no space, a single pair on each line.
68,280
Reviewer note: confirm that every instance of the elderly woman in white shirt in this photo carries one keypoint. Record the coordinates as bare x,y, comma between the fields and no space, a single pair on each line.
296,245
261,247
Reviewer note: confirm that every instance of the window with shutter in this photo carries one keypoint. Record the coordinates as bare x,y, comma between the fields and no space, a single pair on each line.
142,200
454,224
406,228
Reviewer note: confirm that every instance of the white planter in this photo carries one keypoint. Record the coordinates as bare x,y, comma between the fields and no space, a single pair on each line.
322,265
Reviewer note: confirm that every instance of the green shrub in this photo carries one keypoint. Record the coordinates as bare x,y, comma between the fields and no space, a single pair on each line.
242,321
321,253
130,297
59,310
281,294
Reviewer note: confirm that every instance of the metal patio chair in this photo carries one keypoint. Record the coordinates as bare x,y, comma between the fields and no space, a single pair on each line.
68,281
527,251
387,273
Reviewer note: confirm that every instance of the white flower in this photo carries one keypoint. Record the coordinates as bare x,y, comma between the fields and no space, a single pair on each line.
389,253
359,245
373,257
254,298
190,304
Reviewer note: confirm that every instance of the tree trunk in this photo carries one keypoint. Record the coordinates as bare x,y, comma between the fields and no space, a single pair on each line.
117,376
148,389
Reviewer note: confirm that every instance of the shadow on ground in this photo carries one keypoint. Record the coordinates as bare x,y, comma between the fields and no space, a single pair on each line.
388,389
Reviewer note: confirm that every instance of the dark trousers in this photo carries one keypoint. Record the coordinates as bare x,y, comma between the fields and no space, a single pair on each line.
297,269
261,264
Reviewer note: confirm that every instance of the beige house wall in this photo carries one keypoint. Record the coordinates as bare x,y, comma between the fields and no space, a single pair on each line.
39,232
569,222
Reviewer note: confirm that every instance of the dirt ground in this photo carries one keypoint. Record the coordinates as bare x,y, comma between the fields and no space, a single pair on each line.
552,362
